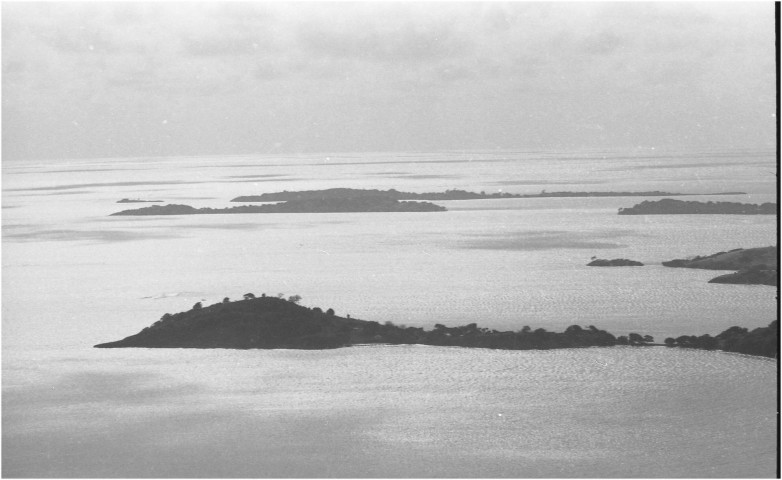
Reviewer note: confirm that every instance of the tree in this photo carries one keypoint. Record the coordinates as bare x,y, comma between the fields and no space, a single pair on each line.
685,340
371,328
648,339
526,329
732,331
226,300
248,296
294,298
707,342
197,306
635,339
330,312
670,342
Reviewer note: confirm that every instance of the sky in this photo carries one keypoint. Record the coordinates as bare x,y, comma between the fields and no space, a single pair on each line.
114,79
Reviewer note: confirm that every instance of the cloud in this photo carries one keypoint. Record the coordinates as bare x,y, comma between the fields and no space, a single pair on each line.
148,46
241,77
603,43
226,44
405,44
80,40
232,28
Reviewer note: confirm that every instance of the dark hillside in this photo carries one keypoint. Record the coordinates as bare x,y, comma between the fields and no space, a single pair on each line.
270,322
265,322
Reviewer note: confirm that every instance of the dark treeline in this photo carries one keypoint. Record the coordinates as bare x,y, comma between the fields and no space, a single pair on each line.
472,335
274,322
762,341
669,206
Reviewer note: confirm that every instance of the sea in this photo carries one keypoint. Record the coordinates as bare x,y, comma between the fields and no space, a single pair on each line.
74,276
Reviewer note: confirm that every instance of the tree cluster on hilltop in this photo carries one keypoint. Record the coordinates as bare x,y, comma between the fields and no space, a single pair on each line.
263,322
274,322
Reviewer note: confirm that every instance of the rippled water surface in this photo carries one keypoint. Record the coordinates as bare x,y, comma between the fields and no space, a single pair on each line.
391,411
74,276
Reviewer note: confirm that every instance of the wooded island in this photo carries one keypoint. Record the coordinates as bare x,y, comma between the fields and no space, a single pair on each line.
275,322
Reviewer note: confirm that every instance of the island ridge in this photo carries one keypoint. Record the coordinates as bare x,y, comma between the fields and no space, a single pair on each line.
669,206
447,195
331,205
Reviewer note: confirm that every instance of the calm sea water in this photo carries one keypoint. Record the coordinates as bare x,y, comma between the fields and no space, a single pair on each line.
74,277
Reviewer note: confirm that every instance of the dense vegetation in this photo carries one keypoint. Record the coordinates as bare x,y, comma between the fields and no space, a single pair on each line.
616,262
274,322
669,206
755,266
447,195
760,341
331,205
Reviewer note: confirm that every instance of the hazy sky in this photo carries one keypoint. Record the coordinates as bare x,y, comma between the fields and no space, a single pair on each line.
106,79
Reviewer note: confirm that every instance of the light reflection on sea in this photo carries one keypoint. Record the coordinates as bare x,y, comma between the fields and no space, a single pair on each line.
74,277
389,411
